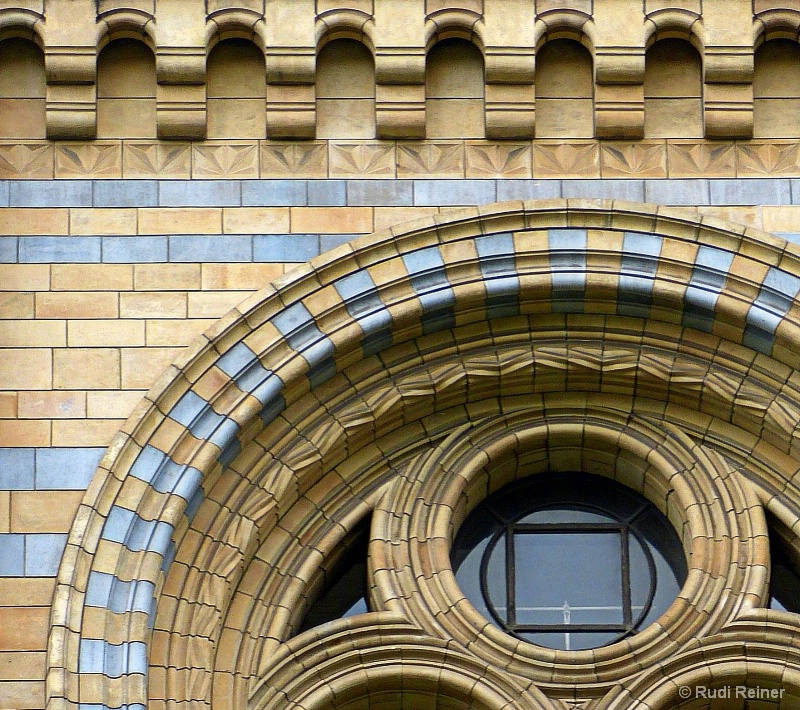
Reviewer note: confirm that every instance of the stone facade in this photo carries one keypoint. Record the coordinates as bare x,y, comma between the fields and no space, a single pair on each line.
256,288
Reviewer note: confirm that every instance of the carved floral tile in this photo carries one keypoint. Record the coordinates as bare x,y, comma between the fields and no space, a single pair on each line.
643,159
566,160
429,159
294,159
26,160
700,159
499,160
368,160
768,158
89,160
225,160
158,159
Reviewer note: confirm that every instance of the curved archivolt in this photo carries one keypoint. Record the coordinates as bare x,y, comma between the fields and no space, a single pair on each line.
641,343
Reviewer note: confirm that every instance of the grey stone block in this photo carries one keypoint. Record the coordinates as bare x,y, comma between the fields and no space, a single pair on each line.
274,193
769,191
432,193
125,193
285,247
327,193
43,554
211,248
199,193
66,468
380,193
677,192
59,250
794,188
17,467
604,189
4,193
528,189
8,250
135,250
12,555
329,241
50,193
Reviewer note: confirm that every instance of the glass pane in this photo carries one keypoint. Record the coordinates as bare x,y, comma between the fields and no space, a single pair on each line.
571,641
641,578
496,579
570,577
565,515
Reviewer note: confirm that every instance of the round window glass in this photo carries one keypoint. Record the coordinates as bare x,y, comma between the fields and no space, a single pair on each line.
569,561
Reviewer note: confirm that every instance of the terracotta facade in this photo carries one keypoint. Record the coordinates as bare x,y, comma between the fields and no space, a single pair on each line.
271,270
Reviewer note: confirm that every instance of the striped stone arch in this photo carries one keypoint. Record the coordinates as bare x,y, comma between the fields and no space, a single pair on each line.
401,378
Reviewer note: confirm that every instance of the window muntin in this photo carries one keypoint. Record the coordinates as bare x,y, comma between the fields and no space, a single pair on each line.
592,561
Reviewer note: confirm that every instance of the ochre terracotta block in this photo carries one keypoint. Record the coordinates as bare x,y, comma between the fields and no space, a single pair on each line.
24,628
142,366
24,277
166,277
34,221
86,368
22,695
52,405
89,432
25,432
43,511
91,277
152,304
255,220
164,220
100,220
8,405
229,277
27,333
111,405
213,304
331,220
77,304
35,374
105,333
16,306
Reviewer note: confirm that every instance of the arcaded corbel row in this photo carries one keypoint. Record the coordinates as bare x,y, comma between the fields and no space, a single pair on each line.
619,92
291,67
400,53
69,34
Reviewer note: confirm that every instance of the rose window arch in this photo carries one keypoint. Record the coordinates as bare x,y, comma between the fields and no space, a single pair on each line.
388,389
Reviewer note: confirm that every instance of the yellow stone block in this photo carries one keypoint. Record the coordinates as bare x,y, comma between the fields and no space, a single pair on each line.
43,511
34,221
69,304
25,369
52,405
24,277
86,368
190,220
112,405
152,304
166,277
28,333
87,432
105,333
255,220
101,220
331,220
27,433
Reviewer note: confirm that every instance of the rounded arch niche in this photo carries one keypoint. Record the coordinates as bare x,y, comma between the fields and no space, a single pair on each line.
618,339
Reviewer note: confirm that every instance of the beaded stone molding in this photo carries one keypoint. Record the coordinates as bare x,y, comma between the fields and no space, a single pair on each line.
404,377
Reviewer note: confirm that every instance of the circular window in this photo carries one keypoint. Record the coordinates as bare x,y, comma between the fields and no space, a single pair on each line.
569,561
